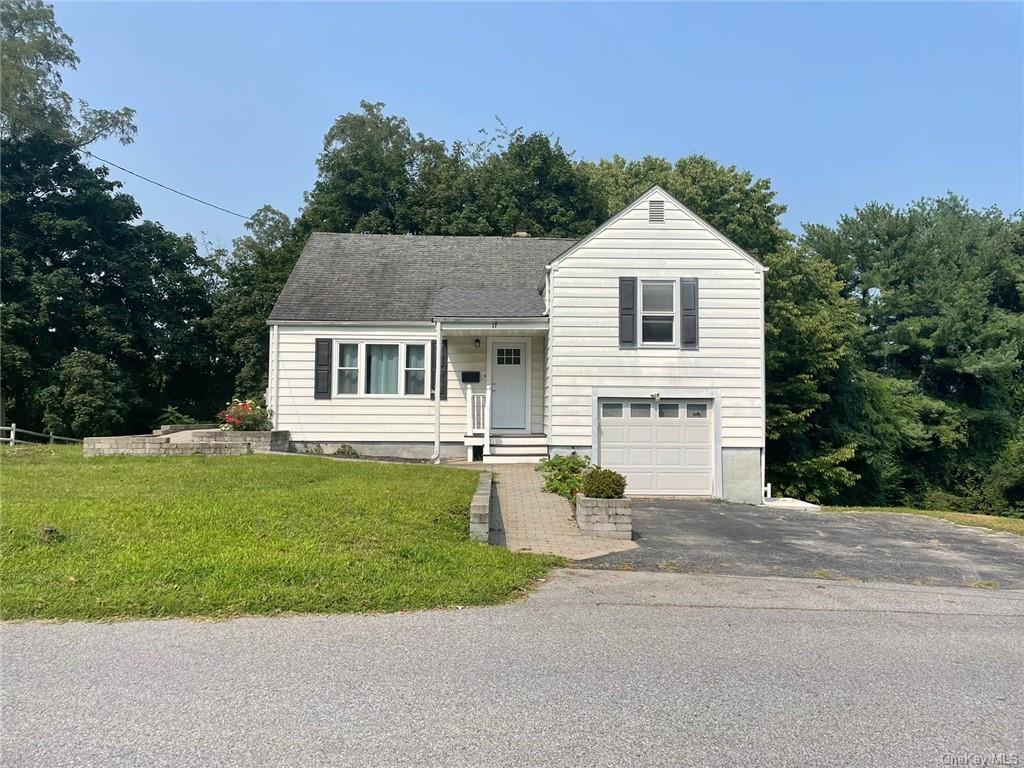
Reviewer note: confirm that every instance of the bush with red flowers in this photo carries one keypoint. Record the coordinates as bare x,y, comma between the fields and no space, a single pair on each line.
246,416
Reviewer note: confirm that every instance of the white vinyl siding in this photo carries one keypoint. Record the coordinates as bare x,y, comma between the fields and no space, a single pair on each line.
537,385
583,350
367,418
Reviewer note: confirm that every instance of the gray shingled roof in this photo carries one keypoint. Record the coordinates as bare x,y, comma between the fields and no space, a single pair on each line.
374,278
488,302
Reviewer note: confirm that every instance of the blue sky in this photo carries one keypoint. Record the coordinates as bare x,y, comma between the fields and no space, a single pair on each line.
839,104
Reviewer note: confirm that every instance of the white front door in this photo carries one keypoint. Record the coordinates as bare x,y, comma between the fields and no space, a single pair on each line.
508,385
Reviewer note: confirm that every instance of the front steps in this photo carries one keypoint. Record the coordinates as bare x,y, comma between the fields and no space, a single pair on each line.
517,449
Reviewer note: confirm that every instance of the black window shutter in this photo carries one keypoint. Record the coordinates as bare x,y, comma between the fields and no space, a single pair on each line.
322,370
627,311
443,362
444,369
688,313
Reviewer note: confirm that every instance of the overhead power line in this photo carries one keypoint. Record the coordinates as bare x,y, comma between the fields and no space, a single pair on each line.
153,181
35,240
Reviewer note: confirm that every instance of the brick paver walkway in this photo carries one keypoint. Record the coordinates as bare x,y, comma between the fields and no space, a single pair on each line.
527,518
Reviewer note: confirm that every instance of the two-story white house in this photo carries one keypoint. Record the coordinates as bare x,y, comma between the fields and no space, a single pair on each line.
641,345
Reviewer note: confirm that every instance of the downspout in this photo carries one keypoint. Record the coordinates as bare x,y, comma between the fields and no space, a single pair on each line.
436,458
273,385
277,372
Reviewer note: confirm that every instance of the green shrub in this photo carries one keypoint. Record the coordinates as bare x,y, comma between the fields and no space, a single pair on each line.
347,451
171,415
603,484
563,474
939,499
1004,486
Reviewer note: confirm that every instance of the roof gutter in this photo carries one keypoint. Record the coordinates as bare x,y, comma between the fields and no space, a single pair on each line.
472,319
344,323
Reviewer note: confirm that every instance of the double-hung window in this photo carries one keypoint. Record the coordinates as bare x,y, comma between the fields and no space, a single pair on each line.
388,369
348,369
415,369
658,312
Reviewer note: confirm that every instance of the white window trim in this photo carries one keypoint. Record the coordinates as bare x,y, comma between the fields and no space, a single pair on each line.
674,315
361,392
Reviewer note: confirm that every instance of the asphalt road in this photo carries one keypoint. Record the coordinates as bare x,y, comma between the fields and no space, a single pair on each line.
598,668
715,537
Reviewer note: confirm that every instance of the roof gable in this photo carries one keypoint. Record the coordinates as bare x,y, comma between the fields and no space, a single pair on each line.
655,192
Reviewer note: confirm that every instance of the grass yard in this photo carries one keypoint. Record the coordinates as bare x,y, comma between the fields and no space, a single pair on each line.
230,535
994,522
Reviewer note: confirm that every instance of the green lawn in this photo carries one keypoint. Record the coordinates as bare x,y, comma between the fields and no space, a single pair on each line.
996,523
223,536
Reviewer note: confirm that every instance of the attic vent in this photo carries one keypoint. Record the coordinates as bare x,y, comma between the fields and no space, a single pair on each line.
656,211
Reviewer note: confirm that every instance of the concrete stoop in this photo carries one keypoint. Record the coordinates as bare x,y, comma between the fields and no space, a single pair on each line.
172,441
785,502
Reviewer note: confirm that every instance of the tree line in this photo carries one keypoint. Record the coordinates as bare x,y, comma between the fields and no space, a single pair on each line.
895,337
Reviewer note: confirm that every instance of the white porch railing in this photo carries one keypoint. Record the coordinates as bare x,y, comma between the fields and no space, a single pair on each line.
478,415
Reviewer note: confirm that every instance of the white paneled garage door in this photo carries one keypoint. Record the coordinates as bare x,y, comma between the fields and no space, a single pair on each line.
662,447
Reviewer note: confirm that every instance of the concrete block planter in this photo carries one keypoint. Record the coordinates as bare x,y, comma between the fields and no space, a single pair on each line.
480,510
608,518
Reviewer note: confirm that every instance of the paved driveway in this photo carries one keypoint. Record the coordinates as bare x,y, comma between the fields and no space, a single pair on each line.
722,538
595,669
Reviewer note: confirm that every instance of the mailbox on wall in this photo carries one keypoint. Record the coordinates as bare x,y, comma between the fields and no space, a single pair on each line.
471,377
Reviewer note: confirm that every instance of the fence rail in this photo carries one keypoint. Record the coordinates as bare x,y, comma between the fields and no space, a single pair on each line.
9,436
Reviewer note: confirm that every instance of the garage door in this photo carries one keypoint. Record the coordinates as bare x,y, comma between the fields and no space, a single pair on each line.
661,447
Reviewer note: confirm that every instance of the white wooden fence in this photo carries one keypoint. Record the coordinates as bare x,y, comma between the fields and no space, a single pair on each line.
10,436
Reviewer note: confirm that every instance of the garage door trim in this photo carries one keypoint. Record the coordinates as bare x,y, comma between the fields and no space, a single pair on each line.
641,393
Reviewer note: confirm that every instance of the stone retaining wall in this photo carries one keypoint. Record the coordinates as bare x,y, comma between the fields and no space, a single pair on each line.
608,518
209,442
259,441
480,510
